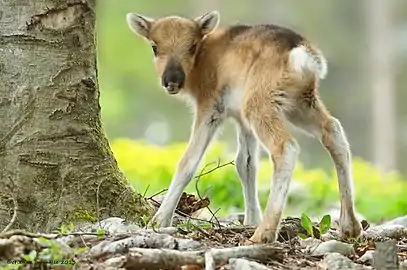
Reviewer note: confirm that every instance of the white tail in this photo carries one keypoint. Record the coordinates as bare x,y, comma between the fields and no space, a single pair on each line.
301,58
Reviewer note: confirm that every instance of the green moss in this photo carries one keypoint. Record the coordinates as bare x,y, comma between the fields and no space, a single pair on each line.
80,214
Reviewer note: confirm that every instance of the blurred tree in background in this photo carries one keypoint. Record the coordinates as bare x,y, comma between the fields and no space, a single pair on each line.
134,106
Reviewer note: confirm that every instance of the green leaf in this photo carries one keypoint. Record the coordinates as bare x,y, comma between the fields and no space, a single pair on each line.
45,241
145,219
206,226
303,236
33,255
26,257
80,250
100,233
63,229
306,223
325,224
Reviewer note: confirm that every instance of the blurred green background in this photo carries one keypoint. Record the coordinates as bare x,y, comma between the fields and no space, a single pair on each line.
365,43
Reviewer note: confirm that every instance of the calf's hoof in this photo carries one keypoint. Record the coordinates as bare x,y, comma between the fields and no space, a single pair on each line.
262,236
350,229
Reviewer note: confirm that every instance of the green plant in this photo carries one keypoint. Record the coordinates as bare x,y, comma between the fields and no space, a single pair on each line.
323,226
65,229
30,257
55,254
306,223
145,220
100,233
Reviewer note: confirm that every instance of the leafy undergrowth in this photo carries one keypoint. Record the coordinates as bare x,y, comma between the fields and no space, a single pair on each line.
314,191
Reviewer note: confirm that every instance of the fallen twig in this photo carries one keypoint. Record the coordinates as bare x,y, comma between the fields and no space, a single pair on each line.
236,229
97,201
261,253
143,240
217,167
380,233
199,195
13,194
142,258
47,236
150,258
158,193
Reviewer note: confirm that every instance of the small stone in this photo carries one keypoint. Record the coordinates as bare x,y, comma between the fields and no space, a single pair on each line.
333,246
367,258
336,261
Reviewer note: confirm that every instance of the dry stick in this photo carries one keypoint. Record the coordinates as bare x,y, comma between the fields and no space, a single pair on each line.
236,229
158,193
199,195
197,189
151,198
148,258
48,236
199,229
97,202
198,176
143,258
217,167
145,191
257,252
214,214
13,191
146,240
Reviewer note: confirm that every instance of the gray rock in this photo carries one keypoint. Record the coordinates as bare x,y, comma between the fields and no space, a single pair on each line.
367,257
333,246
397,221
336,261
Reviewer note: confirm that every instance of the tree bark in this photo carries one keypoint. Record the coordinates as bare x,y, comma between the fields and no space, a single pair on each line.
55,160
380,66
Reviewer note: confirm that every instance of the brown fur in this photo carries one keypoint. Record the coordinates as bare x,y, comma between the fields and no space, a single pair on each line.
256,61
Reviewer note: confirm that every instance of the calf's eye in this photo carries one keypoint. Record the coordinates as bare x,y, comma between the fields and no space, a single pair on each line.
192,50
155,49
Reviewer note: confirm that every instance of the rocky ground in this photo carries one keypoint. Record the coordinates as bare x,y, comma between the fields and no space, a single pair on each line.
197,244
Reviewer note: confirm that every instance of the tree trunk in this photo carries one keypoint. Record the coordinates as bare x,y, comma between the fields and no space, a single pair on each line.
379,29
52,145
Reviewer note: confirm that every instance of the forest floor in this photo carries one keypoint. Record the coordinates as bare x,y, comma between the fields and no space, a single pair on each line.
196,244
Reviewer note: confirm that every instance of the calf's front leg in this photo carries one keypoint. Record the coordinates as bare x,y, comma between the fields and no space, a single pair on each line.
202,134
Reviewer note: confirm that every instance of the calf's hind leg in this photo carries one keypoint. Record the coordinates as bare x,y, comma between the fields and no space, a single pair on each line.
316,120
265,119
246,166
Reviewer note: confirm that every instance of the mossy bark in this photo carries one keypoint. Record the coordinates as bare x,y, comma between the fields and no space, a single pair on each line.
52,144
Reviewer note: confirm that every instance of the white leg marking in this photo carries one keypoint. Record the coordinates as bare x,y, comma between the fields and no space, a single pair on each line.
341,155
246,165
283,169
280,184
335,141
202,135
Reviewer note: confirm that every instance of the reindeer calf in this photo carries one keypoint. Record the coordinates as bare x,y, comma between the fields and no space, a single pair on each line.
263,77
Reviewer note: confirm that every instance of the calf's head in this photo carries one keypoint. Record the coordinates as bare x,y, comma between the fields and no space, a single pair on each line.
175,42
